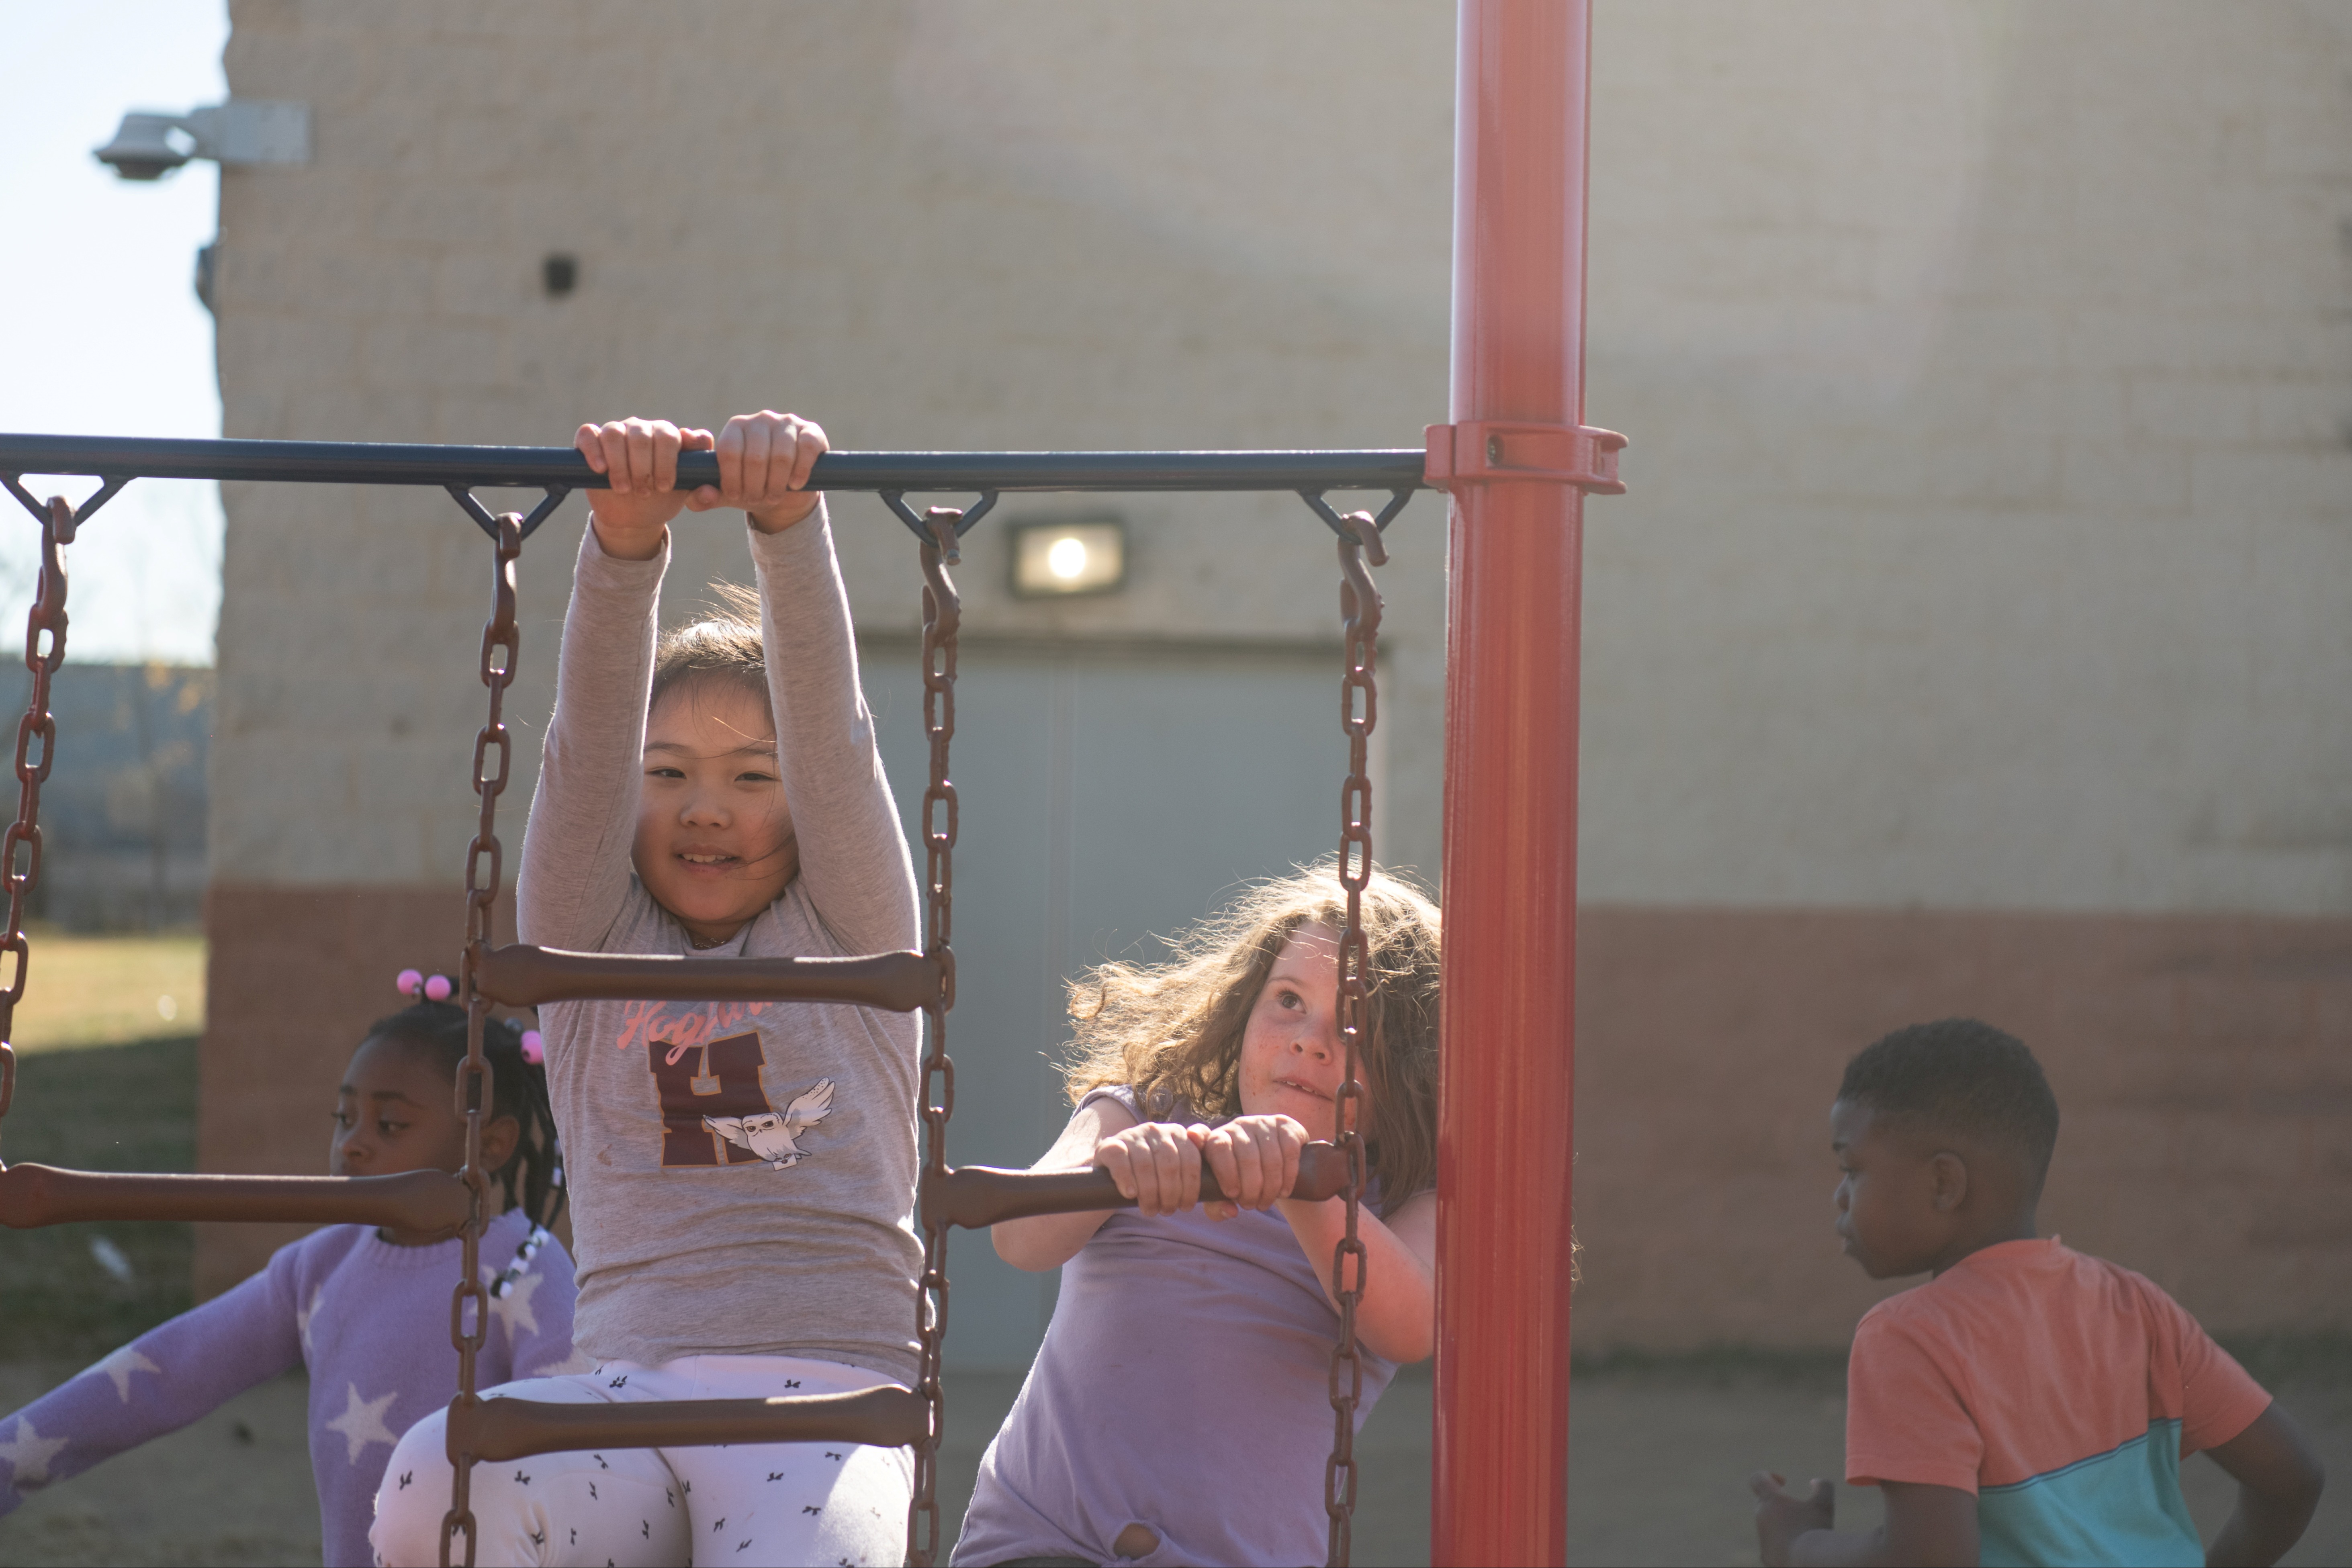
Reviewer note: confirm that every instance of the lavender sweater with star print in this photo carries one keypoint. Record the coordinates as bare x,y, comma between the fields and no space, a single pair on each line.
371,1323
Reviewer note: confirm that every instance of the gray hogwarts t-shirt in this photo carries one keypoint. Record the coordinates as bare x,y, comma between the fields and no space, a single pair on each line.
689,1244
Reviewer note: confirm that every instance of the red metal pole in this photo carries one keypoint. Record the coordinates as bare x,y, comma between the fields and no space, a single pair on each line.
1514,456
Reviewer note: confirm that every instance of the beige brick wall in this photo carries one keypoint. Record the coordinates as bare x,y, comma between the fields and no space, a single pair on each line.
1990,368
1989,371
923,224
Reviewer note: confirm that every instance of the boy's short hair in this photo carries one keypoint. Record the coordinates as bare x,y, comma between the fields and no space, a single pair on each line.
1962,1076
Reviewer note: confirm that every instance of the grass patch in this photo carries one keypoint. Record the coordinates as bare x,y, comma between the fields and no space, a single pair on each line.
102,1107
111,990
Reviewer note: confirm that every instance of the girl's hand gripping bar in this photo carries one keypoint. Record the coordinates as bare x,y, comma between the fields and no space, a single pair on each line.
977,1196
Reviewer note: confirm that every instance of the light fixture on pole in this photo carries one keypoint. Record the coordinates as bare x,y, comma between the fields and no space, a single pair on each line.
148,144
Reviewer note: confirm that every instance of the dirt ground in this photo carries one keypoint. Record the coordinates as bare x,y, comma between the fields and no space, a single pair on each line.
1657,1461
1659,1451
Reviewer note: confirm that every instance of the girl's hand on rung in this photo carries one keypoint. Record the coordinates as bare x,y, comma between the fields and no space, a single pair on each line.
1156,1164
764,461
1255,1159
639,457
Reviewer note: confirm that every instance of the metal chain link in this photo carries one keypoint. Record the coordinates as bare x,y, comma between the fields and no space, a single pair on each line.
1360,616
47,615
501,647
942,615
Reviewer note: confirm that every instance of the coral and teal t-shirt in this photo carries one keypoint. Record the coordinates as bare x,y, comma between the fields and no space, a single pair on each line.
2062,1390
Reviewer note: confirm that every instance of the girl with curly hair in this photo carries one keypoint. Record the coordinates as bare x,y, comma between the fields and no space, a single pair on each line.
1179,1411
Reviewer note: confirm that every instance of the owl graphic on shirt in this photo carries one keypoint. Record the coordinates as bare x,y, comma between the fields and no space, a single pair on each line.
715,1108
771,1136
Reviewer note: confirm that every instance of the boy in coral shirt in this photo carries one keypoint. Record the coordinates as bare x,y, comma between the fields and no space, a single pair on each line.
2028,1404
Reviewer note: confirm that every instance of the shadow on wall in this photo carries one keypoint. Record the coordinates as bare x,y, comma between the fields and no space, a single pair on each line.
123,812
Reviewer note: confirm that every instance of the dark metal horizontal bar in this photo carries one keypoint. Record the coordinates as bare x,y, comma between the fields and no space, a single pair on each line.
977,1196
33,1195
371,463
524,976
499,1429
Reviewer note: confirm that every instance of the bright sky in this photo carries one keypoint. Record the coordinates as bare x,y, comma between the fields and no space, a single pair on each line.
101,331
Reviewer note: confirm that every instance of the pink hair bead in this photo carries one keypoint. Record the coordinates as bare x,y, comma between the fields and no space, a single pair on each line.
409,981
534,1048
437,989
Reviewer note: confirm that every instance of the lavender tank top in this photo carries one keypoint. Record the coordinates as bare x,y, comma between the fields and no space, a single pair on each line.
1182,1384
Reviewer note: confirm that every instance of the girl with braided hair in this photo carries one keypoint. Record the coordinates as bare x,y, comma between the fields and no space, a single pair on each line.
364,1308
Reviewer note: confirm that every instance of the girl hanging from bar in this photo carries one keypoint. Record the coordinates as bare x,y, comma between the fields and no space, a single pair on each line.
744,1171
1179,1411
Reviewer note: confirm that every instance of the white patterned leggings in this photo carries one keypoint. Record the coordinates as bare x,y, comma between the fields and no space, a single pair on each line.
636,1508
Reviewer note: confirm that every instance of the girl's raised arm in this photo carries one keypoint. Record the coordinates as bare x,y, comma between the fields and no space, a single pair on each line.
575,849
853,864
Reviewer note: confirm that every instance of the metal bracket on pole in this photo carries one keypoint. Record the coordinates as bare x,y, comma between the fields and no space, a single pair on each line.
896,502
110,485
1340,525
464,496
1486,450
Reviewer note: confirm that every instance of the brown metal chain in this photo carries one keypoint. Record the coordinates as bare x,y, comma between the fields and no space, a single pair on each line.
47,616
1360,616
501,647
942,615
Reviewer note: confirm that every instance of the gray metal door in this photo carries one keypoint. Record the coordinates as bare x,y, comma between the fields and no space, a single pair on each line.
1108,797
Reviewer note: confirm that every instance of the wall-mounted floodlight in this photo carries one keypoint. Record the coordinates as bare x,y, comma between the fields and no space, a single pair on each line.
1055,559
148,145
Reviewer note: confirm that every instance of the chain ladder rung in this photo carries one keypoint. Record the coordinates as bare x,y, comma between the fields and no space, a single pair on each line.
33,1195
500,1429
521,975
974,1198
